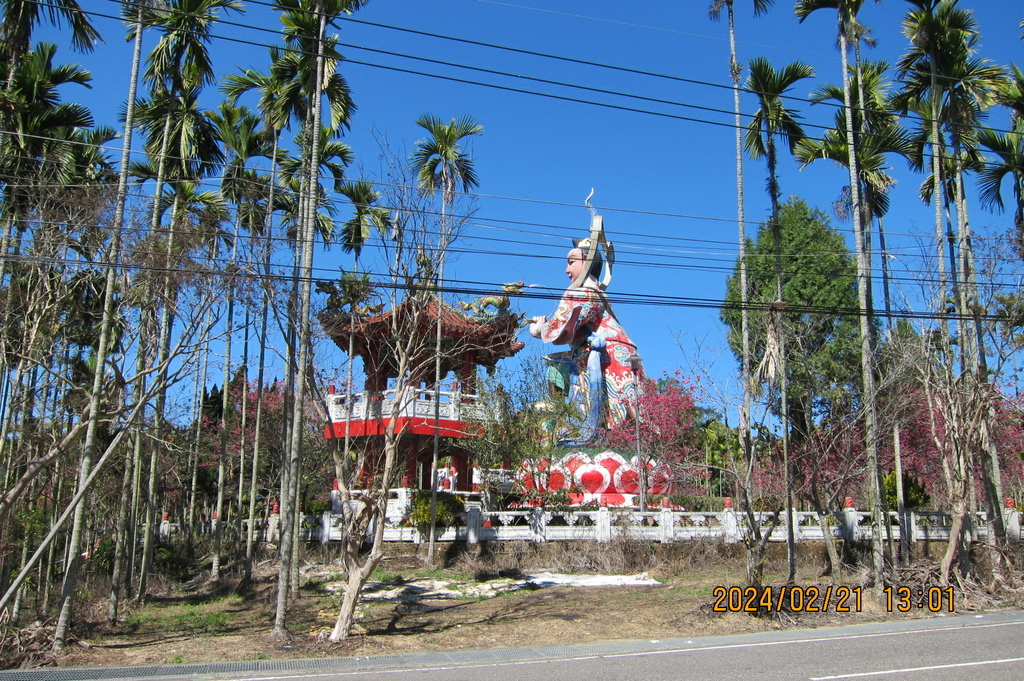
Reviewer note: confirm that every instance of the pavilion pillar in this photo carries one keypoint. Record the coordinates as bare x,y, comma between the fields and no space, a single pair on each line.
467,374
376,378
410,476
464,479
425,470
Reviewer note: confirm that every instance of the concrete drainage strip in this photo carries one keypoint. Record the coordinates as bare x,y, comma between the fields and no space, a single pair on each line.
319,665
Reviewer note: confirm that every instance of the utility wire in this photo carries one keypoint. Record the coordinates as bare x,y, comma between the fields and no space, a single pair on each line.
328,178
542,55
350,19
475,288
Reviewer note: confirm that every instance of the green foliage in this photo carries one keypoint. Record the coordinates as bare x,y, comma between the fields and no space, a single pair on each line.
529,423
1009,317
382,574
819,288
695,503
30,521
767,503
194,620
172,562
134,621
103,556
449,508
347,294
914,493
719,443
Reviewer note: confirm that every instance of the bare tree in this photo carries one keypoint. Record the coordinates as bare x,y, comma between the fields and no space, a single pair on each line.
368,470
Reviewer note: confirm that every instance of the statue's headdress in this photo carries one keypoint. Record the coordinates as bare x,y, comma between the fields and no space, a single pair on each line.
592,246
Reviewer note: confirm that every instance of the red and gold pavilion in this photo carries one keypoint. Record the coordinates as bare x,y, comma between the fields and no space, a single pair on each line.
450,409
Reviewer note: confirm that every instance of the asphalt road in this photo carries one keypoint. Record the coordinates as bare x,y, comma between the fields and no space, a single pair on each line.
977,647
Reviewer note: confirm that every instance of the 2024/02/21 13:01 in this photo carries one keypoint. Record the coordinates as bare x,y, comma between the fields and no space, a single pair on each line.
932,599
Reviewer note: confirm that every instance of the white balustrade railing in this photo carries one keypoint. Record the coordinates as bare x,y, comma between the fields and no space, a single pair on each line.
410,402
659,525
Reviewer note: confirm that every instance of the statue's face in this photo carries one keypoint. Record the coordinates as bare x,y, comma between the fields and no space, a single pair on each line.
574,264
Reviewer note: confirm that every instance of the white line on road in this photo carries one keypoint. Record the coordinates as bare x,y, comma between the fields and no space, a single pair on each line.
647,653
799,641
910,670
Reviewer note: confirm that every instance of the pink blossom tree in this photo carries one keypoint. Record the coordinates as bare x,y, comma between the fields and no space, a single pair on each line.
666,436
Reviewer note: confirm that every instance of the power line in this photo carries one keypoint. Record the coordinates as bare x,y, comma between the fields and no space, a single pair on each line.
476,288
329,178
517,90
730,220
349,19
643,250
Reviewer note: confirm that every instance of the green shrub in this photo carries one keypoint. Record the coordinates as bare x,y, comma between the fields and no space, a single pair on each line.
696,503
103,557
449,508
198,622
380,574
914,493
172,562
134,621
318,507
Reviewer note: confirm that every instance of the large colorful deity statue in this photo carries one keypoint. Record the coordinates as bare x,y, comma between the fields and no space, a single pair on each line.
600,373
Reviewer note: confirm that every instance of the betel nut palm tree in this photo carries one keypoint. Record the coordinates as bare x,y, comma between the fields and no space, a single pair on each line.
305,24
441,166
849,28
774,122
736,74
19,19
185,146
951,88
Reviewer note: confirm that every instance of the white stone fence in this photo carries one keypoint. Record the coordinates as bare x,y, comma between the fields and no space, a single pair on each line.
660,525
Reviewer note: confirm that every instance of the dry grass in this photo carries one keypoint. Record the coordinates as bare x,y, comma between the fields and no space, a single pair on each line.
202,622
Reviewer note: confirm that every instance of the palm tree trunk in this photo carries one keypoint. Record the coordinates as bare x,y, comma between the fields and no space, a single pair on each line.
16,607
192,465
746,442
120,540
15,389
57,526
218,523
135,514
122,547
884,253
308,231
6,387
113,259
778,309
47,566
867,341
250,542
431,539
975,359
127,524
85,466
243,422
901,502
163,344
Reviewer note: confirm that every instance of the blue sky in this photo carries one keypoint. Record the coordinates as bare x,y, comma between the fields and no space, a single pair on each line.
664,183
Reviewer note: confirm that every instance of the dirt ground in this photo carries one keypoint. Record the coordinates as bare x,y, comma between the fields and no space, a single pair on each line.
209,623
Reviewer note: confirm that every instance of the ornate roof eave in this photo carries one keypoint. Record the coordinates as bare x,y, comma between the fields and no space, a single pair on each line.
490,335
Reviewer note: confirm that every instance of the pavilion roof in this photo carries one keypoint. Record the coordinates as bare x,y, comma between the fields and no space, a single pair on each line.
492,337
